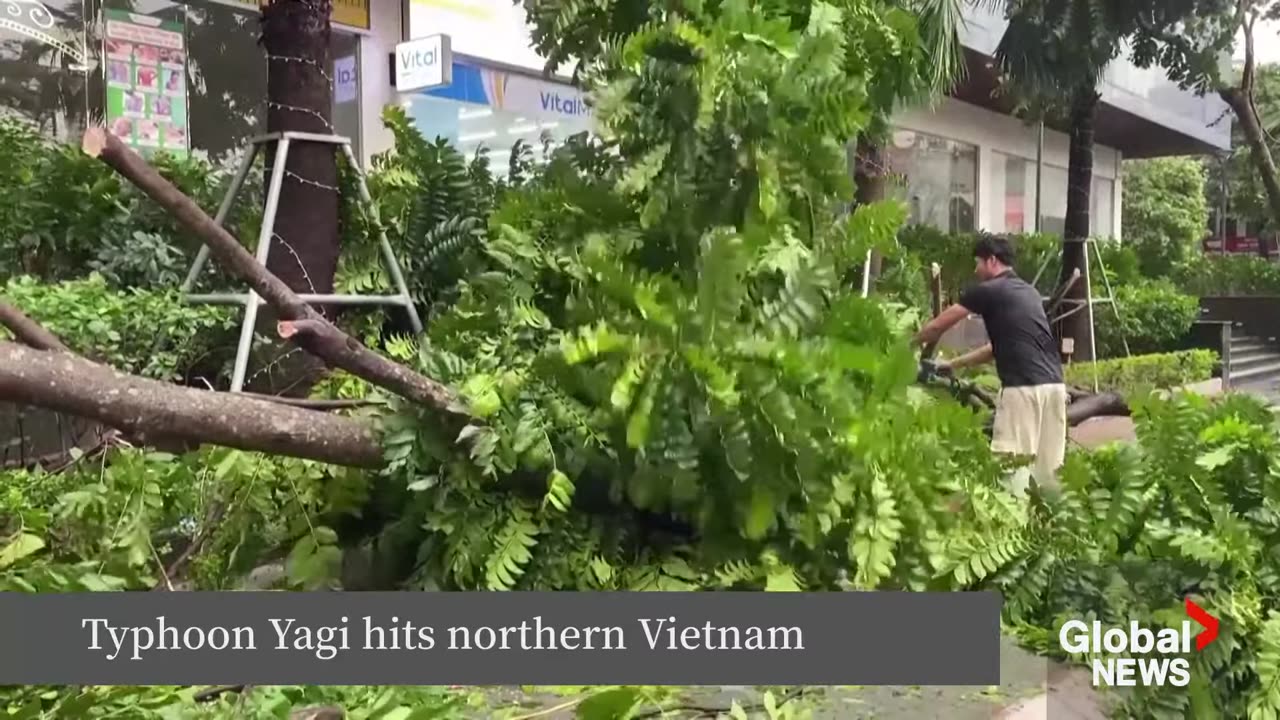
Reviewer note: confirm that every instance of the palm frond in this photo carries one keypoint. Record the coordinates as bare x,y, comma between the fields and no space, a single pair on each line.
939,23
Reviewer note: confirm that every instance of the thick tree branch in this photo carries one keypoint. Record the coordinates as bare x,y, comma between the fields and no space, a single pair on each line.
155,411
28,331
316,335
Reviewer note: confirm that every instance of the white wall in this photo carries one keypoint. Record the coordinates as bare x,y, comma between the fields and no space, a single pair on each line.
992,132
375,76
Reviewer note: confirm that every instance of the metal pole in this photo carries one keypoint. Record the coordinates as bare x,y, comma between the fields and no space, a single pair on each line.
388,255
225,209
1088,299
264,248
1039,171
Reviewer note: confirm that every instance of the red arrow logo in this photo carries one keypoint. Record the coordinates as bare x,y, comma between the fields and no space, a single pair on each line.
1209,622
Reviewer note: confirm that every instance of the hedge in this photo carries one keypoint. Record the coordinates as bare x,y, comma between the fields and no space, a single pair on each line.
1142,373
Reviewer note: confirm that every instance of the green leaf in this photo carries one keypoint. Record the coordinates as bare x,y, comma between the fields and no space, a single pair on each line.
760,513
1215,459
615,704
23,546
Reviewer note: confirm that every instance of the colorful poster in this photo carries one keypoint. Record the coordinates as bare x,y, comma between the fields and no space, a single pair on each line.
146,69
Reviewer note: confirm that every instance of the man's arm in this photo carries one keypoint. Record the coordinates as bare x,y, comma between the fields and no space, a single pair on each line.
934,329
980,356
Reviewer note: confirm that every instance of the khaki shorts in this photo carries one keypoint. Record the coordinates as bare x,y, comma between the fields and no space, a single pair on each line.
1032,421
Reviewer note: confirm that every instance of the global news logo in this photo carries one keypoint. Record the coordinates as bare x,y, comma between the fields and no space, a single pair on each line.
1080,638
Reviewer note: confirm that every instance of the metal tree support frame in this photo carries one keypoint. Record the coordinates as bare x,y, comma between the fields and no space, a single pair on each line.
250,300
1088,302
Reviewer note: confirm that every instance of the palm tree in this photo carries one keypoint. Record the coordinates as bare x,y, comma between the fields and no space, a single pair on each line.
1053,55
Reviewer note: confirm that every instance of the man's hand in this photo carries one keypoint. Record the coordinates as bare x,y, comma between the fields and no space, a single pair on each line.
934,329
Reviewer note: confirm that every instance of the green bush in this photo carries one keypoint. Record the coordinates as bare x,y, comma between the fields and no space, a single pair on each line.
1165,213
903,275
1153,317
1137,375
150,333
1216,275
64,214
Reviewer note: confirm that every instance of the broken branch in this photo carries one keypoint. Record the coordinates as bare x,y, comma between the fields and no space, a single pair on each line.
28,331
155,411
313,333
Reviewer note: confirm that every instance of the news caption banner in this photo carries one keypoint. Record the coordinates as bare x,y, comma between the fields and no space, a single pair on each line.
539,638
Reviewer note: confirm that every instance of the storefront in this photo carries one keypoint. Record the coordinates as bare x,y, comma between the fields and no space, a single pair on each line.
179,76
497,95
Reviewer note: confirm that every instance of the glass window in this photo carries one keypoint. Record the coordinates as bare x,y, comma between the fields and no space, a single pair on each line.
471,126
1101,215
1053,207
43,63
937,178
1015,197
226,78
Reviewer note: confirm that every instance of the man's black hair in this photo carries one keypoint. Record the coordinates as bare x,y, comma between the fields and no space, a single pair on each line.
994,246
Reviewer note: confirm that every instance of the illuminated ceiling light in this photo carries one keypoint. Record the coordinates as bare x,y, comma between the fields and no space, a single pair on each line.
549,125
520,129
478,136
472,114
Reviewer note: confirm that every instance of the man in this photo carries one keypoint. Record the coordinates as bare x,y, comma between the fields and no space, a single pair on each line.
1031,412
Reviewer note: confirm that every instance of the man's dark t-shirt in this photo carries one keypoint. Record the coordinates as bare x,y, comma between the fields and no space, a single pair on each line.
1021,340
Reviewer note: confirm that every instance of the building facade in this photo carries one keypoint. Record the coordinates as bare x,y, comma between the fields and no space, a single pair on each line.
965,163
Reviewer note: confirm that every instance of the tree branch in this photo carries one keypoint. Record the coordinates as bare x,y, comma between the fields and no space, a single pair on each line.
154,411
314,334
28,331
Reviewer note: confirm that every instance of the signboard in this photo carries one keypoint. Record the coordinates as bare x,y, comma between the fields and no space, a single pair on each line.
425,63
513,92
495,30
146,71
345,79
1241,245
353,13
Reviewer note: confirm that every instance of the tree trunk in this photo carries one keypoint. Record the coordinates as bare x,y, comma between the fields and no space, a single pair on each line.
870,171
1084,108
295,35
156,412
305,246
1244,110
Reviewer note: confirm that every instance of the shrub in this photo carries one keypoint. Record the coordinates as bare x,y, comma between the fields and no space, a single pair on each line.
1211,275
1135,376
65,214
151,333
903,276
1165,213
1153,317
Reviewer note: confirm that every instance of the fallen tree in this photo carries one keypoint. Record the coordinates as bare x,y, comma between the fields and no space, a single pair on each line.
155,412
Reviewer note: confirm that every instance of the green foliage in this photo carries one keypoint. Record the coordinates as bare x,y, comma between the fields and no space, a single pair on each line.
433,204
1217,275
1165,213
905,278
146,332
370,702
1188,510
114,229
1135,376
1153,316
664,329
1238,175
